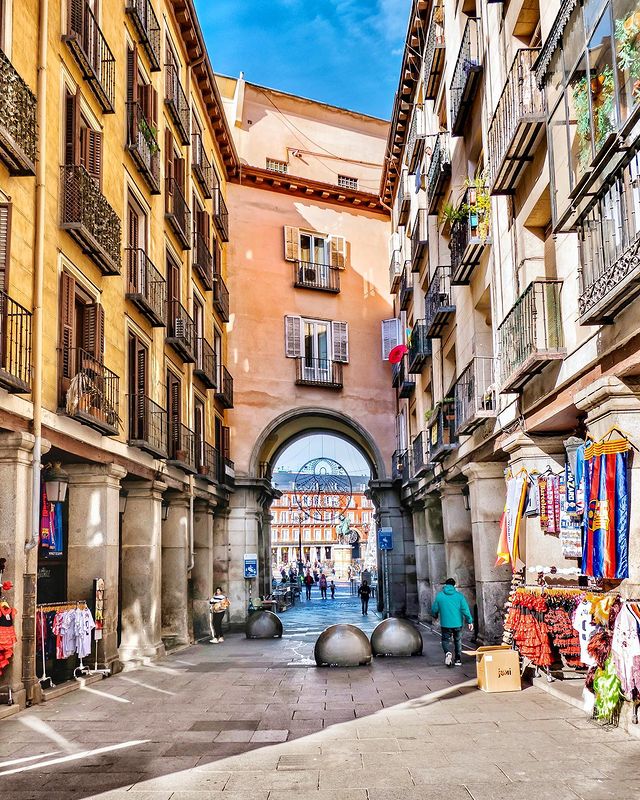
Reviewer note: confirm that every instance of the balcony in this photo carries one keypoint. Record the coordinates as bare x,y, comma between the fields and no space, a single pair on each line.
177,103
89,218
202,260
395,271
442,437
419,455
224,392
147,425
419,348
143,146
400,465
147,27
404,197
416,138
531,336
92,53
201,165
205,366
18,128
307,275
466,76
518,121
470,233
177,213
439,171
15,346
475,395
221,298
94,393
182,446
220,215
208,462
434,52
406,286
419,240
319,372
438,303
181,332
146,287
402,380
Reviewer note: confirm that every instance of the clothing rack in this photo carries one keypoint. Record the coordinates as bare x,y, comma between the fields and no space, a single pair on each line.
46,681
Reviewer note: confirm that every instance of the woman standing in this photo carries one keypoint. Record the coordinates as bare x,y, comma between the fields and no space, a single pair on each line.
365,592
219,604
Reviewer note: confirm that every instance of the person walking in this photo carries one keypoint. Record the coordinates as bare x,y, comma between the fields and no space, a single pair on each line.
219,604
452,608
308,583
323,586
332,586
365,593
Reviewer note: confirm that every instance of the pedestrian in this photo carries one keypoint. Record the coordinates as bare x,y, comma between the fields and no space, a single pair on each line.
315,575
452,608
308,583
332,586
365,593
323,586
218,604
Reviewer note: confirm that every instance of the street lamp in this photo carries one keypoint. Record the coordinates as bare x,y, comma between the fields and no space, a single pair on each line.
122,501
55,482
465,497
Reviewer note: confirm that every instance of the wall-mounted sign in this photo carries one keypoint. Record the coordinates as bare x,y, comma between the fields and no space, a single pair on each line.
250,565
385,538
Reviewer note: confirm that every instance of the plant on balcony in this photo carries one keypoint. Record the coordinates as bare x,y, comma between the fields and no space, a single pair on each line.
479,211
598,94
627,35
150,134
450,214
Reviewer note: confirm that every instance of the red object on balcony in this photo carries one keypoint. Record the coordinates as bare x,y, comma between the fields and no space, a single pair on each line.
397,353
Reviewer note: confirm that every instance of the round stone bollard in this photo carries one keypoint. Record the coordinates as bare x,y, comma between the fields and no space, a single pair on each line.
342,646
263,625
396,637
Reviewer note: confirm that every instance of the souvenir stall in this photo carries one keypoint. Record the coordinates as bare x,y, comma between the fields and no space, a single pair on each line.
7,632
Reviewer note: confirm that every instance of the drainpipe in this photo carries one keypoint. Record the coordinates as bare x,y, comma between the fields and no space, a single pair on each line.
190,402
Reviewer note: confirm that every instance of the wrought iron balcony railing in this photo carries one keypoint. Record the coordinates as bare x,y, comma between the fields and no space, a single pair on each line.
224,392
93,395
92,53
18,129
402,380
518,121
439,171
208,462
466,76
420,240
220,215
90,219
221,298
307,275
147,27
416,138
320,372
147,425
182,446
177,212
181,332
205,367
531,334
438,303
406,286
15,346
146,287
201,165
143,146
177,102
419,455
434,52
419,348
400,465
395,271
470,233
404,197
475,395
202,260
441,426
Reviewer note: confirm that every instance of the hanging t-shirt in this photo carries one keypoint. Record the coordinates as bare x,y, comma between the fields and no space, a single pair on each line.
583,623
84,624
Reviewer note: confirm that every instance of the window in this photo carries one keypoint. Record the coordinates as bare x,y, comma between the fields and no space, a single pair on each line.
391,336
307,534
82,144
285,534
316,247
318,342
277,166
5,245
142,105
327,535
138,387
199,426
174,410
313,249
81,331
347,182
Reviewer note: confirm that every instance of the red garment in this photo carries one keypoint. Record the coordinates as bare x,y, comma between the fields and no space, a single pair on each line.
7,635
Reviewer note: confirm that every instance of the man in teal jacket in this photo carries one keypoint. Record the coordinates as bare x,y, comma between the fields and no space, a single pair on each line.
452,608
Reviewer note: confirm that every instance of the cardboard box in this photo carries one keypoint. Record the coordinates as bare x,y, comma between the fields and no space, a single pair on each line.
498,668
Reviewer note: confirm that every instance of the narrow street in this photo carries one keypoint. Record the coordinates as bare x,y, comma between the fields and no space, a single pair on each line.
256,719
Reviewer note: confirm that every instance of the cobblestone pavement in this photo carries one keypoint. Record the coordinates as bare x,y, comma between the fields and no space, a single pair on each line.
255,720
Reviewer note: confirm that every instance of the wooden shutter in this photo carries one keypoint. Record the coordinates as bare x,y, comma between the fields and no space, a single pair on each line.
337,252
132,75
226,442
391,336
93,330
91,153
141,369
168,156
67,332
5,245
133,227
179,171
293,336
202,224
153,106
71,128
340,341
291,244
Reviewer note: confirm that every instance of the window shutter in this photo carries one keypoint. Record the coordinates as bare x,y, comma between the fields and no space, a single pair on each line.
178,171
141,369
226,441
337,251
67,338
293,336
132,75
340,341
91,153
71,129
5,245
168,155
391,336
291,244
153,105
93,332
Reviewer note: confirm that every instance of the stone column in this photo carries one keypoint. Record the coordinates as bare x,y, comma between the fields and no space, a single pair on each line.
202,573
421,547
458,544
487,493
435,555
141,565
175,560
94,544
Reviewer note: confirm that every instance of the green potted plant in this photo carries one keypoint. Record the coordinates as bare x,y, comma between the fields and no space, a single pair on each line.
627,36
449,215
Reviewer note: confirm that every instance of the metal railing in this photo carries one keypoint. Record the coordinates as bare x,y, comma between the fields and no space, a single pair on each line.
307,275
475,394
417,135
220,215
419,454
395,271
147,425
202,260
177,102
90,49
400,465
406,286
419,347
402,380
438,302
205,367
18,128
208,461
200,164
404,196
181,331
439,170
224,391
88,216
177,212
143,146
147,27
221,298
442,436
318,372
94,392
15,345
466,69
434,51
470,233
419,239
182,446
146,287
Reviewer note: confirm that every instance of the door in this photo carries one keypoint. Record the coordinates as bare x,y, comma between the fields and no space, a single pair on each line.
138,387
137,247
198,323
174,413
314,261
317,365
199,426
173,293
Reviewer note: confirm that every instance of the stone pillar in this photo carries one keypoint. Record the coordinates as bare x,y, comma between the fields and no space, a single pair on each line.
175,560
141,566
435,551
202,573
421,548
94,544
458,544
487,493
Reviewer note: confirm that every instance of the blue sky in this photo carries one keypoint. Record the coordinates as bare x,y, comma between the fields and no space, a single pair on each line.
343,52
317,445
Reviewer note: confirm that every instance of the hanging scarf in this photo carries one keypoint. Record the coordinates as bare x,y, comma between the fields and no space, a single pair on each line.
544,501
516,495
46,520
606,687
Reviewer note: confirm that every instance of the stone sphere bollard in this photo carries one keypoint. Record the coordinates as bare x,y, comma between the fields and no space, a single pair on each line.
342,646
396,637
263,625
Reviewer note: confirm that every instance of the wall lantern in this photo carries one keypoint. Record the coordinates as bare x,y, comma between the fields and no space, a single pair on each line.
165,510
465,497
123,501
56,481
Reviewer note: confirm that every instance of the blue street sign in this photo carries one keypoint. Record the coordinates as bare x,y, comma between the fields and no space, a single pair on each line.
250,565
385,538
